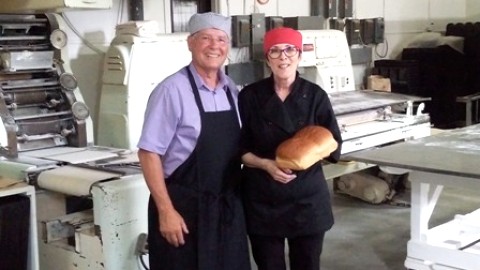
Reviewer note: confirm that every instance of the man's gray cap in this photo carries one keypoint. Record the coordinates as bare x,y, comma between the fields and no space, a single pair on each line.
200,21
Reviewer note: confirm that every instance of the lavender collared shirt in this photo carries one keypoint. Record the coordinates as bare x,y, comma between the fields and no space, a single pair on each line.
172,119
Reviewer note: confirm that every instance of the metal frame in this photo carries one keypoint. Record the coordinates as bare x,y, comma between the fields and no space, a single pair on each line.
471,116
444,246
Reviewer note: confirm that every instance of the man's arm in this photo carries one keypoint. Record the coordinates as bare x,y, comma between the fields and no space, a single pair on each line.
172,226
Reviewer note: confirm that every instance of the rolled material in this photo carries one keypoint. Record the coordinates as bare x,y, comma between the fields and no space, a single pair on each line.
308,146
73,180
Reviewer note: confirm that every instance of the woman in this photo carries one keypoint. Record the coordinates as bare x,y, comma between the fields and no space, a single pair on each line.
279,203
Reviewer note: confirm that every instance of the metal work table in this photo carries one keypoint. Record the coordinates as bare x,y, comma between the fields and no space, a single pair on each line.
450,158
361,100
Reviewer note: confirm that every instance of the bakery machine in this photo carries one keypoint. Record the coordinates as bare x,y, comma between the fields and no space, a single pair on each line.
326,60
91,201
137,60
366,118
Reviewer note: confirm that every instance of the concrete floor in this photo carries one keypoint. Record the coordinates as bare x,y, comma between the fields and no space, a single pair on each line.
367,236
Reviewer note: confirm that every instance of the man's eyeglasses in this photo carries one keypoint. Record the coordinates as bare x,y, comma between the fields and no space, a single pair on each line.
289,51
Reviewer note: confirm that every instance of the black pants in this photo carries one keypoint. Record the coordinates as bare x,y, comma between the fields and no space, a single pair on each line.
304,252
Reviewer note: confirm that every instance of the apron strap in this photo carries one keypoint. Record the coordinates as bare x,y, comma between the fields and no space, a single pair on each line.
197,95
195,91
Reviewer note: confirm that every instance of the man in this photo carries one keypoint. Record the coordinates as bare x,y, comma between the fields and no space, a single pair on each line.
189,155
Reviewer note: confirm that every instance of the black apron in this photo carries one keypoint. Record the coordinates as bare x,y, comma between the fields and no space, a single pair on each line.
204,190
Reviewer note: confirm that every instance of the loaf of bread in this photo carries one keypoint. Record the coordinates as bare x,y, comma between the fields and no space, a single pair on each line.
308,146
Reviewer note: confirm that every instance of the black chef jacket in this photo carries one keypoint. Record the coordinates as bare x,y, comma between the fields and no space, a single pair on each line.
302,206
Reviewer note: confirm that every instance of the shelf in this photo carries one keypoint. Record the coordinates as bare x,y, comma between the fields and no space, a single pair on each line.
33,244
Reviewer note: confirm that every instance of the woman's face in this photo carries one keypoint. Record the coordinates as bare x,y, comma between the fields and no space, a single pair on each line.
283,60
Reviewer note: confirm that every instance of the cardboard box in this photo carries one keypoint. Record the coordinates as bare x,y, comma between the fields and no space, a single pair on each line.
379,83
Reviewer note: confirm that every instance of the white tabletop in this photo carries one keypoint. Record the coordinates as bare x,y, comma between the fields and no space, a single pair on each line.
454,152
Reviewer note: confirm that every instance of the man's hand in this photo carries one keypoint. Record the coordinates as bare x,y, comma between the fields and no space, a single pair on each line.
172,227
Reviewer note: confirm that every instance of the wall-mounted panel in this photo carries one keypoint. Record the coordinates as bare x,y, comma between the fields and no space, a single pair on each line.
379,30
345,8
352,31
258,31
336,23
324,8
241,31
273,22
367,31
304,22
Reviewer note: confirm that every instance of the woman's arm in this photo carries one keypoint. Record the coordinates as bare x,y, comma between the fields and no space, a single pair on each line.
270,166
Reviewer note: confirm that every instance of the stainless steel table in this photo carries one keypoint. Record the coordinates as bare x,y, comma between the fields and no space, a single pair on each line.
451,158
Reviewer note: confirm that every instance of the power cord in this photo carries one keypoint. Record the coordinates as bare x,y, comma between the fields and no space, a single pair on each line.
385,42
77,33
142,249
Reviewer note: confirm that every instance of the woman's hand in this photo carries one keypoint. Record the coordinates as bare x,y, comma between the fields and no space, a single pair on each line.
279,174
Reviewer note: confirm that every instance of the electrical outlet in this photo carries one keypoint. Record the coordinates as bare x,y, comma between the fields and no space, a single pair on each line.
142,244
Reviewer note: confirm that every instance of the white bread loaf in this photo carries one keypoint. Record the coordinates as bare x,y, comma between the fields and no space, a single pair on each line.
308,146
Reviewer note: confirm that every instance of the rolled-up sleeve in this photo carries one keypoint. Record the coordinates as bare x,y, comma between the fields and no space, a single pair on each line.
162,116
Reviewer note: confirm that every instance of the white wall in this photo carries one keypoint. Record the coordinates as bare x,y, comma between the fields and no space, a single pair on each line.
404,20
97,28
473,10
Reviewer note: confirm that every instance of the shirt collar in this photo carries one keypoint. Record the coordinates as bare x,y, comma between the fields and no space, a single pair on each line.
222,83
295,83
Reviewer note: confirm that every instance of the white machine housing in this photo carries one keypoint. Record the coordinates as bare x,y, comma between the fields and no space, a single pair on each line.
136,61
326,60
